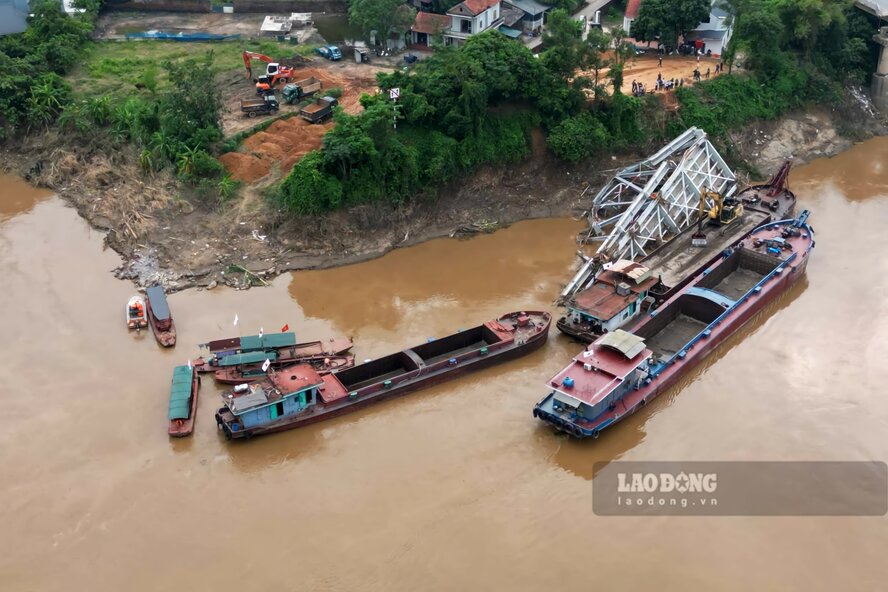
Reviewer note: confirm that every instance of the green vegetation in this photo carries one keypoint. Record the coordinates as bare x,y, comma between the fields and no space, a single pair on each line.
667,20
32,92
118,69
459,109
382,16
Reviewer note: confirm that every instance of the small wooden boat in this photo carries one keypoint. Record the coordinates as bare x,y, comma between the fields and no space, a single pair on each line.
136,317
183,400
247,373
280,348
298,395
159,316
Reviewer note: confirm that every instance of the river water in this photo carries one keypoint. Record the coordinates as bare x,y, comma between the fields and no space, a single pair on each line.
456,487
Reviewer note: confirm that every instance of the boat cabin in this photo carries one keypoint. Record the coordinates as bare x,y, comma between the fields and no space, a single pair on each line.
286,393
160,310
616,296
601,375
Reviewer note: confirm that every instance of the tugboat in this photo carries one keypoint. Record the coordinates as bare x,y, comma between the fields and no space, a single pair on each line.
624,370
160,318
297,395
183,401
135,313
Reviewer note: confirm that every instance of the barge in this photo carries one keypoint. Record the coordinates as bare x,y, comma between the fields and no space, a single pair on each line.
159,317
298,395
621,371
590,313
183,401
280,348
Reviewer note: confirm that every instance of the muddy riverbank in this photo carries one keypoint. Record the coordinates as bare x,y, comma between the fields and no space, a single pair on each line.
171,234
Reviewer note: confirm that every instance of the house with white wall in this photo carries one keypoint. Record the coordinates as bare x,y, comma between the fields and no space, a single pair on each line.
714,33
471,17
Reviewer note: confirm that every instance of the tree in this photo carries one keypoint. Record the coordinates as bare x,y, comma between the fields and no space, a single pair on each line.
308,189
622,51
667,20
561,38
578,137
382,16
803,20
597,43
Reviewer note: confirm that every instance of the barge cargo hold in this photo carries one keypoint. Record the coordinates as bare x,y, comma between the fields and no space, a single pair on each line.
298,395
624,370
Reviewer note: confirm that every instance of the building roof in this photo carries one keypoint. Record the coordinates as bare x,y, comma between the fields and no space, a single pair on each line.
12,20
601,300
632,9
510,32
511,15
431,23
529,6
472,7
634,271
876,7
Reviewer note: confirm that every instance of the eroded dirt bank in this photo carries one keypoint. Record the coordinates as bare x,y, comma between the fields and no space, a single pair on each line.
173,235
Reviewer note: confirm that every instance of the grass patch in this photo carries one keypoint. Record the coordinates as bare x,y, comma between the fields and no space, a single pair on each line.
114,68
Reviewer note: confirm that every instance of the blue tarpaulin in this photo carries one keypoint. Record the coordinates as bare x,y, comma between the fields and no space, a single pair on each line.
180,36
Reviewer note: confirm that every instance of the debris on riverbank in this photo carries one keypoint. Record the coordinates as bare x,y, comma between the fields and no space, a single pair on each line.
170,234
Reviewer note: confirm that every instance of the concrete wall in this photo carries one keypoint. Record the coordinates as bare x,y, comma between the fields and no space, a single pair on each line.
242,6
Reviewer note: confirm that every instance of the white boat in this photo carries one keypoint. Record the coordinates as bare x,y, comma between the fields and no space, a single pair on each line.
136,316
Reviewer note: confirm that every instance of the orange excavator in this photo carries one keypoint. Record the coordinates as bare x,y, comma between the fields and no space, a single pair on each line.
275,73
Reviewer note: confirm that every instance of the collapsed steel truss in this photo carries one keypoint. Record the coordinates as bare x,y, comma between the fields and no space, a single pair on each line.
650,202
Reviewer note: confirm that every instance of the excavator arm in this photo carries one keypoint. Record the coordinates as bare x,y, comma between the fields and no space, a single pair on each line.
249,56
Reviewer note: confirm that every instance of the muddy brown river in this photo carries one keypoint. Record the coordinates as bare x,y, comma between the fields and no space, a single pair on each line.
452,488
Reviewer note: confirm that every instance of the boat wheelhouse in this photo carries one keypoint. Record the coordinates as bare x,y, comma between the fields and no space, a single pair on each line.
618,295
623,370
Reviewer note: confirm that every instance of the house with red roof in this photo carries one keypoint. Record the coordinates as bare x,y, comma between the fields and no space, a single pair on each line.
427,27
471,17
632,8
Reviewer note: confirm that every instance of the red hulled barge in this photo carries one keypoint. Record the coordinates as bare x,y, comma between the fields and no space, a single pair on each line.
621,371
296,396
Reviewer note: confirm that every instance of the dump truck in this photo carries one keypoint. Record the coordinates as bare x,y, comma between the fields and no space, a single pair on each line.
301,89
260,106
318,110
